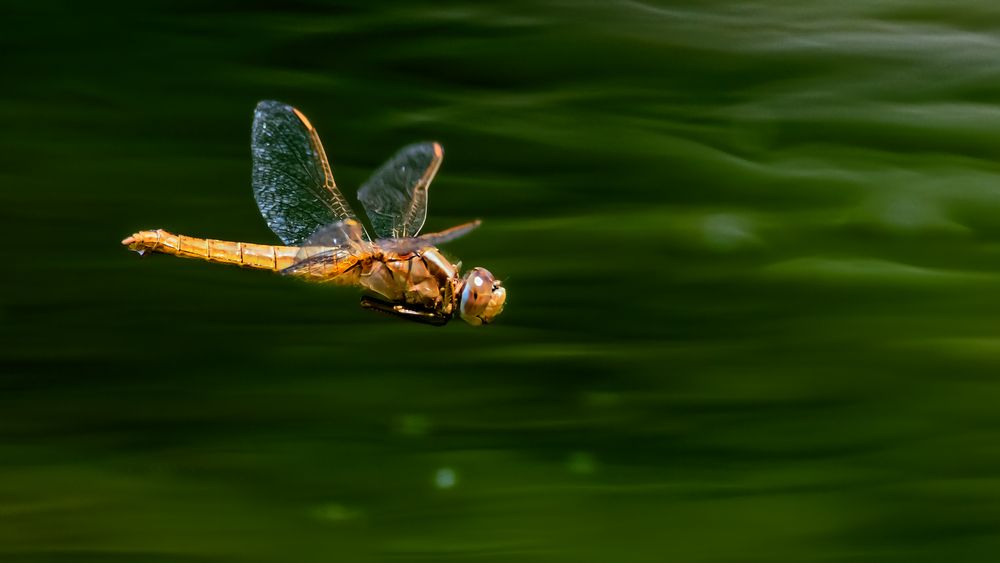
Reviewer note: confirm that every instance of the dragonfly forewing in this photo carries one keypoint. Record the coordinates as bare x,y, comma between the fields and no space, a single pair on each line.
292,180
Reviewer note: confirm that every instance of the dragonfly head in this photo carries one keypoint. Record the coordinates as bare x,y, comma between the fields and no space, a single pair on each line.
482,297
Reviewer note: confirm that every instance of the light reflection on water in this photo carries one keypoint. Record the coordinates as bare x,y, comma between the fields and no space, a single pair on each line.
750,250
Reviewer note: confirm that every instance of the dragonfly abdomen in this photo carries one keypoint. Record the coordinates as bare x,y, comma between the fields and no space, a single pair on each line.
247,255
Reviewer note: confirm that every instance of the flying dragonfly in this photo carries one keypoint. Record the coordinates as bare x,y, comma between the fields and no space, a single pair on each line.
400,270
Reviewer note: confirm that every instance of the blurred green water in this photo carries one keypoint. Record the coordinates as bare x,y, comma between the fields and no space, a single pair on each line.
751,251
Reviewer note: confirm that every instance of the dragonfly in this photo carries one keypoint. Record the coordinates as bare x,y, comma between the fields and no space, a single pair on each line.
400,271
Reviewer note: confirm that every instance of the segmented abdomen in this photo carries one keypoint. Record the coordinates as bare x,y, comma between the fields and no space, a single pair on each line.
247,255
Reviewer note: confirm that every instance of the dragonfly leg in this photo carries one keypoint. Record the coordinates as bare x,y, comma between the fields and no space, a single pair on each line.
404,311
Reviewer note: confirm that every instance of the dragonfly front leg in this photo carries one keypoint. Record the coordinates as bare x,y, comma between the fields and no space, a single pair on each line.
404,311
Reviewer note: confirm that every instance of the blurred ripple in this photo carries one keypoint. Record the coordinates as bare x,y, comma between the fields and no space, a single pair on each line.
751,251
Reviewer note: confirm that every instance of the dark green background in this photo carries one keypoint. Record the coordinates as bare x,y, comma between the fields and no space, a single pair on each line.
752,253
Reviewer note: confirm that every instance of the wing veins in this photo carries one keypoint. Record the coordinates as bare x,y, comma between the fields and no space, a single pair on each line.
292,179
395,196
420,195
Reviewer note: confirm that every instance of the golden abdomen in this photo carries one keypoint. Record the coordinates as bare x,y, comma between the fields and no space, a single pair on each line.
248,255
424,279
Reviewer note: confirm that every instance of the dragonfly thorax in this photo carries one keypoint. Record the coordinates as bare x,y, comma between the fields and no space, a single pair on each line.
424,279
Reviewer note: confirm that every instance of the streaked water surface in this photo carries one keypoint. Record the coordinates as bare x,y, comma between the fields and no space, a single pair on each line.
752,253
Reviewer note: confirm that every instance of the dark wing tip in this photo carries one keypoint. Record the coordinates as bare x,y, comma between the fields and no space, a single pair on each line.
271,104
434,148
271,107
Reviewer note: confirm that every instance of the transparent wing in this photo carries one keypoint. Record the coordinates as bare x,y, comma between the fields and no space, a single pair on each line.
327,265
331,251
405,245
395,197
339,234
292,180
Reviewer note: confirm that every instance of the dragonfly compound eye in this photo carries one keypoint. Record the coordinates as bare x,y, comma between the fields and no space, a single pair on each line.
482,297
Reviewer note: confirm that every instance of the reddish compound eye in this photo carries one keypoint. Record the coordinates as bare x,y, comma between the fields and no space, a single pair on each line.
481,297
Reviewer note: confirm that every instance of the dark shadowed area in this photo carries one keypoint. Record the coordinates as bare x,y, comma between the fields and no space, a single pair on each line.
752,254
